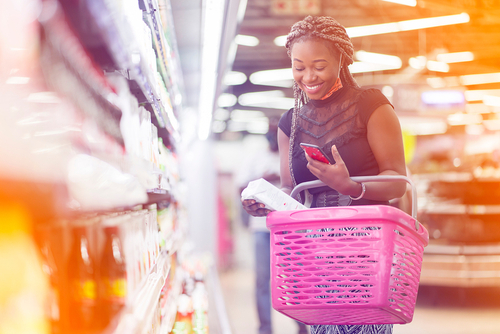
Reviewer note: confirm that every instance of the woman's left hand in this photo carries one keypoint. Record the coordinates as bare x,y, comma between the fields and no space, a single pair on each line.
336,176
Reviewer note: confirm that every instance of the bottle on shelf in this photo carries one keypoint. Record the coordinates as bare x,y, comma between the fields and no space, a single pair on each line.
113,275
82,283
53,302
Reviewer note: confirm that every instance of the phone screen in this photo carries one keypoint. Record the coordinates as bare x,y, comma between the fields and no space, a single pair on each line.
316,153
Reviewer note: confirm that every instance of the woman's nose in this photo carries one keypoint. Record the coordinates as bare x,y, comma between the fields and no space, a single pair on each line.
310,76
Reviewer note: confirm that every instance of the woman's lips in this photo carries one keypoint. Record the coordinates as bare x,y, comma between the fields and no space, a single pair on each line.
311,89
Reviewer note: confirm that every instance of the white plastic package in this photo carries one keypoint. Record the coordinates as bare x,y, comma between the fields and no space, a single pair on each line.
273,198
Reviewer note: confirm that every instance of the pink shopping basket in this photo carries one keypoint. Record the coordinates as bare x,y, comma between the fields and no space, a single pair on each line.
346,265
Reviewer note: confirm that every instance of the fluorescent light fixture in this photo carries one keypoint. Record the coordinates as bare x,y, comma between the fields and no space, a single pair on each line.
437,66
243,115
284,77
279,78
437,82
455,57
411,3
386,28
44,97
280,40
492,101
17,80
379,58
418,62
478,79
212,31
253,121
234,78
422,126
221,114
226,100
478,94
477,108
464,119
246,40
492,124
218,126
363,67
268,99
440,97
388,91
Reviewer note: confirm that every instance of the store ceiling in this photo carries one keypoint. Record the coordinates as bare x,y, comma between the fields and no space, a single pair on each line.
481,36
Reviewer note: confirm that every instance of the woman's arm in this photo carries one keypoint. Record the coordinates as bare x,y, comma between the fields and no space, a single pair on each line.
386,141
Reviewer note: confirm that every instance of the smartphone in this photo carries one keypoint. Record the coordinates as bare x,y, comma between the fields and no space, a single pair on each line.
316,153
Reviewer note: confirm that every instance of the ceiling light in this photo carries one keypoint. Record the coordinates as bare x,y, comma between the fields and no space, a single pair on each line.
492,124
477,108
44,97
437,66
455,57
268,99
478,94
440,97
280,40
213,17
226,100
221,114
243,115
423,125
478,79
363,67
418,62
246,40
464,119
218,126
278,78
384,28
379,58
437,82
17,80
411,3
388,91
492,101
234,78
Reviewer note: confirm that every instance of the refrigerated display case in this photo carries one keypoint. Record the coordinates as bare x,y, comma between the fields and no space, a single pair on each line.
92,203
459,203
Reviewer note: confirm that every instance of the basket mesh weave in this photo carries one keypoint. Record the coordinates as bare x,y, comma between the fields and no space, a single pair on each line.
347,270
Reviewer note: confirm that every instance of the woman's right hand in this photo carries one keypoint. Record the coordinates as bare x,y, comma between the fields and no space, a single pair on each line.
254,208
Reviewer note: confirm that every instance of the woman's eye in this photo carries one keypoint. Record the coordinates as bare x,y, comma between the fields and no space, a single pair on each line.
299,69
320,69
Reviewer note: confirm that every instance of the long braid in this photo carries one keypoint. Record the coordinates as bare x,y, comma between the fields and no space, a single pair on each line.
325,28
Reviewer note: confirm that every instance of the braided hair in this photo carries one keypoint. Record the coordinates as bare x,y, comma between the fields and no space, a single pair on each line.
323,28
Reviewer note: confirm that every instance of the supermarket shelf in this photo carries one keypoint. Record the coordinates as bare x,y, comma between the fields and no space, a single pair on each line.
71,71
139,312
170,311
131,62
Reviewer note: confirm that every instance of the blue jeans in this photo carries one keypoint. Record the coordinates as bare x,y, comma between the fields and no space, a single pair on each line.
262,283
262,279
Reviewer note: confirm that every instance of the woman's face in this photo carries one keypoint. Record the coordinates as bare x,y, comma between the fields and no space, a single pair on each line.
315,69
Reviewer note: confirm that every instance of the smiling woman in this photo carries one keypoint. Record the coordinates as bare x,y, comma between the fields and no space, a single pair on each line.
357,128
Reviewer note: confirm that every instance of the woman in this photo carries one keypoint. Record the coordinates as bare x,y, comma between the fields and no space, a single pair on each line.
358,127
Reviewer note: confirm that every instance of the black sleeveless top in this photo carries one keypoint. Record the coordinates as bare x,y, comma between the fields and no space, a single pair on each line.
339,120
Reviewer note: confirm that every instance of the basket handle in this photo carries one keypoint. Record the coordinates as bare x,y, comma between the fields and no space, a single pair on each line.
376,178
